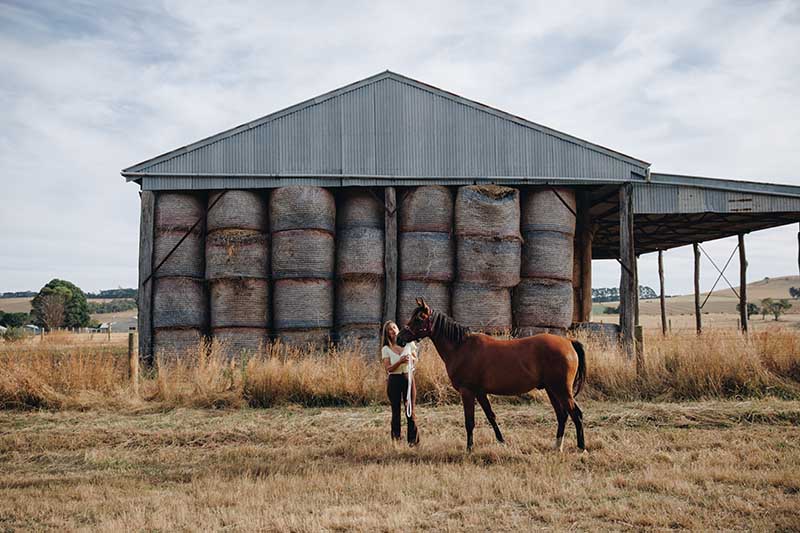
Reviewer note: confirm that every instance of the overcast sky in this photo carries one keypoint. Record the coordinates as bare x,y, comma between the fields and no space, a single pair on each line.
703,88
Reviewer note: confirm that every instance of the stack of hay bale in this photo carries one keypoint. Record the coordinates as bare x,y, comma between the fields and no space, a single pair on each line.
488,248
180,307
543,299
425,250
359,270
302,221
237,269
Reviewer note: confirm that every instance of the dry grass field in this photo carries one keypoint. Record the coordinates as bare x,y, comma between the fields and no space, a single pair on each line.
707,439
699,466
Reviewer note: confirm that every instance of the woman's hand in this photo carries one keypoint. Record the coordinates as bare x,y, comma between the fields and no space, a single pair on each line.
403,359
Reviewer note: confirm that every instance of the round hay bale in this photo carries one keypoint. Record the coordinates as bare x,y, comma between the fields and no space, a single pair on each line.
302,304
543,302
357,208
302,207
482,308
178,343
488,261
238,342
359,301
234,253
188,259
312,340
428,209
543,211
361,338
436,294
179,210
359,251
242,302
302,254
548,254
530,331
179,303
237,210
426,256
487,210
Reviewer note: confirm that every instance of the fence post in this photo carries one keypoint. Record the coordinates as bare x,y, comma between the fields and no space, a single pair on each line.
133,361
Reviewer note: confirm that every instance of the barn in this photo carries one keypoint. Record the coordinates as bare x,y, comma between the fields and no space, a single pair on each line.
314,224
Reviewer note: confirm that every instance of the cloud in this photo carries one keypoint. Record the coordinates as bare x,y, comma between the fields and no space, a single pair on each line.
89,88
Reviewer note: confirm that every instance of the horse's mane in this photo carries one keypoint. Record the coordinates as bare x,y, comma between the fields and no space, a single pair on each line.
449,328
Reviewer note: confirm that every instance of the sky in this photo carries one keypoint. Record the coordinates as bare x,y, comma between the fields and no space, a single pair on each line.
86,89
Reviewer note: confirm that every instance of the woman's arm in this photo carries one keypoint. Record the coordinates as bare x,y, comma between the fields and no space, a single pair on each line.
392,367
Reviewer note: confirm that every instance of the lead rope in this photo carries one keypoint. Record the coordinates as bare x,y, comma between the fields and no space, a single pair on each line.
410,365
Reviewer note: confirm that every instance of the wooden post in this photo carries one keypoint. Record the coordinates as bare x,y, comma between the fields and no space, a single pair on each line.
636,286
662,298
582,271
742,285
390,255
145,294
627,290
698,319
639,338
133,363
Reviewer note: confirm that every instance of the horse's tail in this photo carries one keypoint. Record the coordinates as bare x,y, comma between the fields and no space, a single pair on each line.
580,377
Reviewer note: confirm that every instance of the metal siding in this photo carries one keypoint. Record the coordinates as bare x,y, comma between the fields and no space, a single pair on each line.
670,199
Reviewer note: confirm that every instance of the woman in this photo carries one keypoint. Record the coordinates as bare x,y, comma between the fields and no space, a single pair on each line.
395,361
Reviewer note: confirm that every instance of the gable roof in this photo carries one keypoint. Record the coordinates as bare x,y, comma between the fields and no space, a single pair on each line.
390,125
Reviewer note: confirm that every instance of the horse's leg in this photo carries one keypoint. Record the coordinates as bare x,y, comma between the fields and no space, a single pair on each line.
487,409
577,417
468,399
561,416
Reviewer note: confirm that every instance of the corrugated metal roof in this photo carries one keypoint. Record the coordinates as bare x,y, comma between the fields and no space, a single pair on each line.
392,126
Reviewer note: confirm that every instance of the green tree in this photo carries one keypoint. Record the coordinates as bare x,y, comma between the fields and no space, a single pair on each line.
752,309
775,307
76,309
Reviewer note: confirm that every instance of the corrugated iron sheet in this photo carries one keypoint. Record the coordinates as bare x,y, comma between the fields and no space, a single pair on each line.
389,125
653,198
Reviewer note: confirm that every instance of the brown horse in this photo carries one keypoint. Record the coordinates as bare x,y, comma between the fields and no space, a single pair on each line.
478,365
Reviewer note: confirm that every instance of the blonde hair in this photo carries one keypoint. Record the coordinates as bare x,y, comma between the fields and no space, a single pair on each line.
384,336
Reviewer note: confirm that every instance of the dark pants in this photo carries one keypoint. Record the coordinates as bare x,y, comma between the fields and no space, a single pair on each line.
397,389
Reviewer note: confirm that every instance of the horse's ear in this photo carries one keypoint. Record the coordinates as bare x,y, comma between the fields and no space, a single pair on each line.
421,302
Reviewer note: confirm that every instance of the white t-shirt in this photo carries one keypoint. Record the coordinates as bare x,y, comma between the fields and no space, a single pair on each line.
393,357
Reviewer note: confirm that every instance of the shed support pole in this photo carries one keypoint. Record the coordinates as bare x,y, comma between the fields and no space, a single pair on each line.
662,298
145,290
583,241
636,288
390,255
627,291
742,285
697,316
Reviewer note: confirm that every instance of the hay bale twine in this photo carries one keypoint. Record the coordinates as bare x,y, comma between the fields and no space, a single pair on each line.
237,209
235,253
359,301
548,254
359,251
494,262
239,302
179,302
362,338
482,308
312,340
543,302
302,254
302,304
302,207
426,256
436,294
487,210
530,331
179,210
543,211
238,342
357,208
428,209
176,343
188,259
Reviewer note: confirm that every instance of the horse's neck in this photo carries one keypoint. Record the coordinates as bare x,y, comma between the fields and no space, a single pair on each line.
447,349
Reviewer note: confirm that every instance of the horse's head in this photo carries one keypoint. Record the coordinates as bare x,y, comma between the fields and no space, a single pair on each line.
419,326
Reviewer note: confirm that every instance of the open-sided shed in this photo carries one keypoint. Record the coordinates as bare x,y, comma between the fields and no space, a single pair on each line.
376,142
